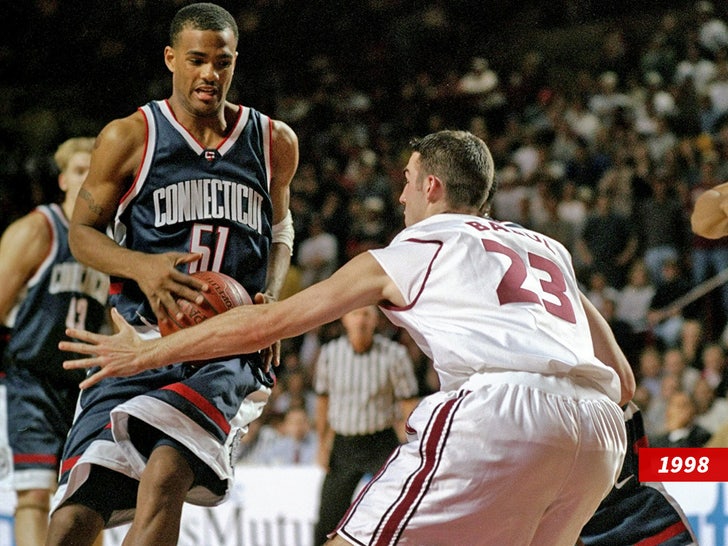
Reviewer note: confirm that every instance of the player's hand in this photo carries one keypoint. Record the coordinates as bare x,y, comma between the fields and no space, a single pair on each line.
116,355
163,284
272,354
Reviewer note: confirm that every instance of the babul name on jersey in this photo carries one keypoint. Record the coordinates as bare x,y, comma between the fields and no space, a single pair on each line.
75,277
207,198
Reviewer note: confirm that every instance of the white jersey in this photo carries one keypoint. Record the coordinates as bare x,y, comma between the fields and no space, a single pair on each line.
485,296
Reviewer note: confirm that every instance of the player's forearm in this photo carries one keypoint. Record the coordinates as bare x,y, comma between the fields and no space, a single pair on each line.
250,328
239,331
95,249
278,264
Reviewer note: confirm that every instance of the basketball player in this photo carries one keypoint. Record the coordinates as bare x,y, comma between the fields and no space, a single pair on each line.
525,437
190,183
43,292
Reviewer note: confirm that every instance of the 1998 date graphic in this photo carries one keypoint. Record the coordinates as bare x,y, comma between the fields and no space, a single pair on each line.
687,465
674,464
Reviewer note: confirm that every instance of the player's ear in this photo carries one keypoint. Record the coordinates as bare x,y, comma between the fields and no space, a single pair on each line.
169,58
434,188
62,183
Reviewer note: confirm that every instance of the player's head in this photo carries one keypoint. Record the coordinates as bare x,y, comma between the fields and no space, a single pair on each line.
201,16
73,159
201,56
462,164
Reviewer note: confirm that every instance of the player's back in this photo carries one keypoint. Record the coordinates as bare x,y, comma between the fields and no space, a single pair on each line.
488,295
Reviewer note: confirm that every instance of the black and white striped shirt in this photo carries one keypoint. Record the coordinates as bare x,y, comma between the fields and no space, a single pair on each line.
364,388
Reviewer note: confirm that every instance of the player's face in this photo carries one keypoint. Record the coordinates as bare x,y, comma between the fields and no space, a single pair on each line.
202,65
413,195
72,178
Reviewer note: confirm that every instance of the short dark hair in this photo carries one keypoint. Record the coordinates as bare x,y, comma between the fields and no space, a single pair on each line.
462,161
201,16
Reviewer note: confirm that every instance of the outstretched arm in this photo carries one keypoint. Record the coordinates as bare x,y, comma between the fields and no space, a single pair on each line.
710,215
246,329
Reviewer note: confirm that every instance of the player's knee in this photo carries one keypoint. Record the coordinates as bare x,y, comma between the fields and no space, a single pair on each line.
74,524
33,499
168,472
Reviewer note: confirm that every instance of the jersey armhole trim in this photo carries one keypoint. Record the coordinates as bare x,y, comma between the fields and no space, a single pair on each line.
439,244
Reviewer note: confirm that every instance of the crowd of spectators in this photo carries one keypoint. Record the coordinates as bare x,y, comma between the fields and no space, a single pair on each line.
605,123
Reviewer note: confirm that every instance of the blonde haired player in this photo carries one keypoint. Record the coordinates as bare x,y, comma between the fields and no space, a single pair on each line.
44,291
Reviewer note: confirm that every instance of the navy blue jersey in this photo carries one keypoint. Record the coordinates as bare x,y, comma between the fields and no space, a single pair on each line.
186,198
61,294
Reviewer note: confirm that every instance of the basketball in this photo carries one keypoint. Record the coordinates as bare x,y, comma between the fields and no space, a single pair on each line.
224,293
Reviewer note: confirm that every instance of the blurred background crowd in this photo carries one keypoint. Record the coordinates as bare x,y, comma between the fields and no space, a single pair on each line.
605,119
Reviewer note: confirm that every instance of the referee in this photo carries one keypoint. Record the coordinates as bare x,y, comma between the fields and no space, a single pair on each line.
365,384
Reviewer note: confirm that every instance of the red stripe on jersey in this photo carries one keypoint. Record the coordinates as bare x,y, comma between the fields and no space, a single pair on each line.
35,458
201,403
139,173
672,531
419,481
68,464
424,282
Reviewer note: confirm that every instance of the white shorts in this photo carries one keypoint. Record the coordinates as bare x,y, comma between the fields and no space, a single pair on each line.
519,459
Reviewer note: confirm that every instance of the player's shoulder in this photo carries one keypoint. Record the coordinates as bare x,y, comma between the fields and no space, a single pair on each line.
32,226
124,132
27,240
284,152
283,135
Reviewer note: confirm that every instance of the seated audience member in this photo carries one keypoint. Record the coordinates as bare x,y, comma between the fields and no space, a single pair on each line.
692,341
654,414
681,430
665,322
633,301
599,290
296,442
712,410
714,369
673,362
649,370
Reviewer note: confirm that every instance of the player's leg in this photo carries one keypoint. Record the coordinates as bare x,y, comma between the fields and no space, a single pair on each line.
82,516
75,525
162,490
31,517
36,430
